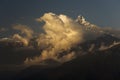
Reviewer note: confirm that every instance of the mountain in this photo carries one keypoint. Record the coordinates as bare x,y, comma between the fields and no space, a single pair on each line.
95,64
87,25
96,59
104,40
12,49
102,65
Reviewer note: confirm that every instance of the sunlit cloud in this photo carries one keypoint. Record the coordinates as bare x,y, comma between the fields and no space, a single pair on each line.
61,33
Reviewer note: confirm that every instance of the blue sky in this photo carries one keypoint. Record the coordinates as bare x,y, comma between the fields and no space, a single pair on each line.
103,13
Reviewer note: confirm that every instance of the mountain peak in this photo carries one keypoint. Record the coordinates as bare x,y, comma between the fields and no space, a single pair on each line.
82,21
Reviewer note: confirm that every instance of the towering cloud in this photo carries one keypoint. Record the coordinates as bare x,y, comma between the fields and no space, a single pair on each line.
61,33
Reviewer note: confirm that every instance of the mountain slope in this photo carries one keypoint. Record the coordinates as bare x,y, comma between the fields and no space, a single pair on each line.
104,65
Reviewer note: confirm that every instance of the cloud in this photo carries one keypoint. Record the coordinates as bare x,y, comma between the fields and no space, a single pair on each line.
61,34
17,37
24,30
26,33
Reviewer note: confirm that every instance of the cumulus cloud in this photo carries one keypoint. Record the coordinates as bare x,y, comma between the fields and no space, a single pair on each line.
61,33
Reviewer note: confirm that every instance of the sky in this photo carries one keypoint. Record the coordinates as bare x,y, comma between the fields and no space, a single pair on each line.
104,13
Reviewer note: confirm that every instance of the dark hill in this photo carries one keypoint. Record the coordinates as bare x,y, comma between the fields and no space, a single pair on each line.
102,65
